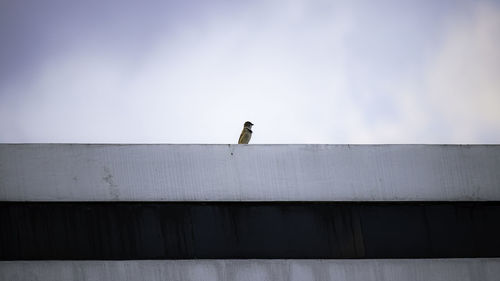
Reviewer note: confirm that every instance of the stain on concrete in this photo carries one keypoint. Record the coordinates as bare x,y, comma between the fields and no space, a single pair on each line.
112,186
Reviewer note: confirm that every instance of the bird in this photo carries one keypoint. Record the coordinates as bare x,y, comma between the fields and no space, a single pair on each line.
246,134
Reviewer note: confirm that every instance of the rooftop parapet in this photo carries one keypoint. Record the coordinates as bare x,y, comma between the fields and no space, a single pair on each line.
185,172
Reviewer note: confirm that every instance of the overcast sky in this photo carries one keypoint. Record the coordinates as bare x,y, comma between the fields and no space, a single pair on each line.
303,71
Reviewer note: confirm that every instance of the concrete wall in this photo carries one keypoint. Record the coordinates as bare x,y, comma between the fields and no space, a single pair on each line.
56,172
261,270
249,172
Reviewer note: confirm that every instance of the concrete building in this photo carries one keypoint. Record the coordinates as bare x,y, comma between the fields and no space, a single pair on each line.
249,212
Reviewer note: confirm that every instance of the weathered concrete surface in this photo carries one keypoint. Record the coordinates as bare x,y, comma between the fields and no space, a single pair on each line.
65,172
262,270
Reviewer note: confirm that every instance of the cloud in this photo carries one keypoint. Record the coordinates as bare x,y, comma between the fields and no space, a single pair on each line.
463,80
198,84
453,96
305,72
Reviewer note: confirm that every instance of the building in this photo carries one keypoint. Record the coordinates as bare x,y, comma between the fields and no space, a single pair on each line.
249,212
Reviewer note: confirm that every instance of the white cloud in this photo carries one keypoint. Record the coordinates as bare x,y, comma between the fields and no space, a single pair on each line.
287,68
463,81
197,86
455,98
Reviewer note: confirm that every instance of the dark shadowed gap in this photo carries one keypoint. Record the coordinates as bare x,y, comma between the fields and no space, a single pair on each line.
248,230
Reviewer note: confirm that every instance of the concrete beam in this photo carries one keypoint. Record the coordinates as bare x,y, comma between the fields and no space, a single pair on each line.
69,172
263,270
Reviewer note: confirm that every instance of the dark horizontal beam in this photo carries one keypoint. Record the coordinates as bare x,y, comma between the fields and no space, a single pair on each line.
247,230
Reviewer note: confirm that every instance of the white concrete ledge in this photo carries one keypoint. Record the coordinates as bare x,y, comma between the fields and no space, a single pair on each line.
71,172
262,270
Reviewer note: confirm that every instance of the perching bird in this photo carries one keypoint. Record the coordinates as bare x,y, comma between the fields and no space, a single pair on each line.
246,134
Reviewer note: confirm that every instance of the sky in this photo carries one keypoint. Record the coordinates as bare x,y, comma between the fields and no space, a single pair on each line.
303,71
